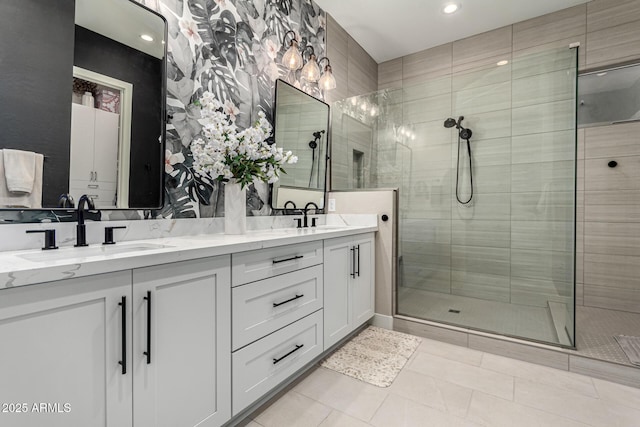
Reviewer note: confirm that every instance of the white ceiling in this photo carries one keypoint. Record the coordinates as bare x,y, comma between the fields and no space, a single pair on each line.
388,29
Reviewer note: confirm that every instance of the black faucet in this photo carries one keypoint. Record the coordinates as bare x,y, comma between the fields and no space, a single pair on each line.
306,210
81,230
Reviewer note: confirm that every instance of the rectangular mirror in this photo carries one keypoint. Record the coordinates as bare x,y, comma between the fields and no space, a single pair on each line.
301,126
83,101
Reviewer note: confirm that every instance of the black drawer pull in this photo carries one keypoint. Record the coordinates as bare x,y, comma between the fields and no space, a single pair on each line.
288,259
353,262
358,249
298,347
276,304
148,352
123,362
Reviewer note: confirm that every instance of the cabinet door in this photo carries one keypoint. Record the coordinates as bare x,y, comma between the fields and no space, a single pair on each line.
185,380
363,286
82,140
61,344
107,134
338,266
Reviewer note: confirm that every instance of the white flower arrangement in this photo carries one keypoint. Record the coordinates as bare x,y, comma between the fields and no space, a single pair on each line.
229,153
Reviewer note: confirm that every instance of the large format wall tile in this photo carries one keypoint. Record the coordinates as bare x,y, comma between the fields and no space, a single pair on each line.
563,24
544,177
428,63
432,87
540,118
613,45
543,147
479,259
612,206
482,99
603,14
543,88
612,271
545,265
390,71
542,206
481,233
612,298
542,235
625,176
495,124
488,206
612,141
479,48
427,109
612,238
478,285
538,292
481,76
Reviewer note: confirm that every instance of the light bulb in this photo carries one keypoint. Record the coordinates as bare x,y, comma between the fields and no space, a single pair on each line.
327,81
292,58
311,71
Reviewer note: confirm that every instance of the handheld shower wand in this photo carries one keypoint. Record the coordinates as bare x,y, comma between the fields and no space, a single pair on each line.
465,134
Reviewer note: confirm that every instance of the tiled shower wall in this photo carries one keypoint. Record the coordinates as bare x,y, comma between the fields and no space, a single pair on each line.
608,219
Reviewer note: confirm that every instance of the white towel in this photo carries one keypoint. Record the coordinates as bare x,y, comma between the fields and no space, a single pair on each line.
19,170
31,200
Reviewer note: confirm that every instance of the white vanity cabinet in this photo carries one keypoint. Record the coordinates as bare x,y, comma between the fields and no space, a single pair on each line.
62,349
75,343
182,344
349,288
277,301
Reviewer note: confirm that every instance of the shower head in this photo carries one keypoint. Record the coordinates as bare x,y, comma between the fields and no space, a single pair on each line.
450,122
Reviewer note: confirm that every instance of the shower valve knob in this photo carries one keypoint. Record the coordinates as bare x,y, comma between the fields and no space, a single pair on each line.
385,217
612,164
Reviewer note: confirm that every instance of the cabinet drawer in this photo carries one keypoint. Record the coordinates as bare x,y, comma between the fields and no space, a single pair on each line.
262,307
263,263
261,366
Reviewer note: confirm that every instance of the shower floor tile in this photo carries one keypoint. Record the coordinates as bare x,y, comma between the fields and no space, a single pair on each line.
595,328
491,316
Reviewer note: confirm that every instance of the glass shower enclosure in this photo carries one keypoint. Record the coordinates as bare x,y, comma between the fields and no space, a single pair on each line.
505,261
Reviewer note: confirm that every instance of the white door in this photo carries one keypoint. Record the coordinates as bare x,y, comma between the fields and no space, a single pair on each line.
182,357
82,142
363,283
62,344
338,267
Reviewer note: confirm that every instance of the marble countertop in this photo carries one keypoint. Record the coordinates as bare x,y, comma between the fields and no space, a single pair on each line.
26,267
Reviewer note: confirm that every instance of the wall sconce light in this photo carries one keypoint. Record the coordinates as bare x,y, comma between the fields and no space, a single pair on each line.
327,81
293,60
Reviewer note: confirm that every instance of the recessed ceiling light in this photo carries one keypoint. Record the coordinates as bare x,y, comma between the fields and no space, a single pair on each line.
146,37
501,63
601,74
450,8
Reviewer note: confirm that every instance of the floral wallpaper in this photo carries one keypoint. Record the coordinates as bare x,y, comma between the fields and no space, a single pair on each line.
233,49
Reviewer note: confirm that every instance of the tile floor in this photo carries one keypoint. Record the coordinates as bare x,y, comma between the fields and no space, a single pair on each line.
447,385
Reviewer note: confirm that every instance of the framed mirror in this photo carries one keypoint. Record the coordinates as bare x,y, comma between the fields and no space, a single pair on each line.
302,126
84,94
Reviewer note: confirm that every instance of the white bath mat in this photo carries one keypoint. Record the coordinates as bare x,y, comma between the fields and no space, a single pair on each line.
631,347
375,356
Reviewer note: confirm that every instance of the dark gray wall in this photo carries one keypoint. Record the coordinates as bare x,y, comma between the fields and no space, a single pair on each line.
40,71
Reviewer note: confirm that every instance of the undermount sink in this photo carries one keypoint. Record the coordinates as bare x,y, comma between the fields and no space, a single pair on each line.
91,251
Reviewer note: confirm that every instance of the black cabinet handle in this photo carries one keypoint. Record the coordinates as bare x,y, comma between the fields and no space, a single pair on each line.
123,362
148,352
49,238
358,249
288,259
276,304
353,261
298,347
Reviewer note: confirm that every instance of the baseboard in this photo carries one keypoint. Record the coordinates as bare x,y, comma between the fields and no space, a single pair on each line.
382,321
